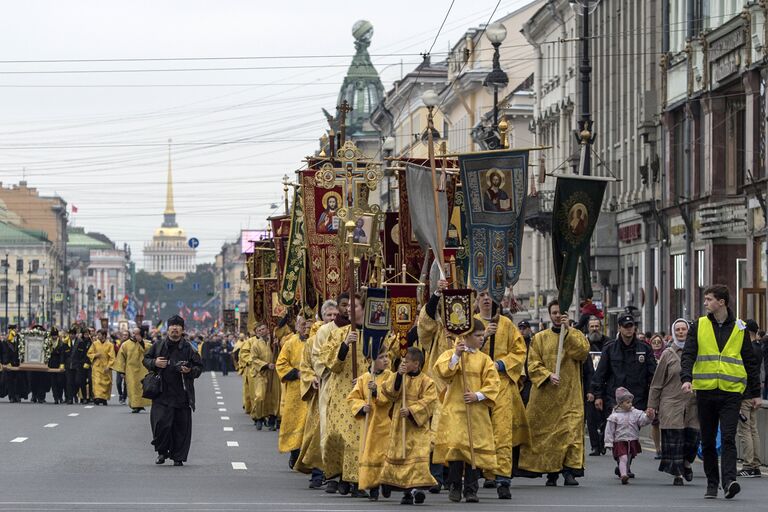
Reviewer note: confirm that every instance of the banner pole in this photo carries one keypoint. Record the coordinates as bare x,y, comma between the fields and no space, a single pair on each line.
435,198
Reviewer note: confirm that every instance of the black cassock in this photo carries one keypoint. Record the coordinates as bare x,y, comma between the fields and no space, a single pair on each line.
15,383
171,413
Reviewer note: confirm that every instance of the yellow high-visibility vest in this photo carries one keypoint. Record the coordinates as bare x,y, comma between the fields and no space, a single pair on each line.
719,370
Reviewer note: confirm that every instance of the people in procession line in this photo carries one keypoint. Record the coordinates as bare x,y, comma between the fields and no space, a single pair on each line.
719,364
130,364
675,410
102,356
293,409
178,364
747,431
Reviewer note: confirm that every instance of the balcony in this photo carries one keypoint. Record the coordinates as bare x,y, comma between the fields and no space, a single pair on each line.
538,210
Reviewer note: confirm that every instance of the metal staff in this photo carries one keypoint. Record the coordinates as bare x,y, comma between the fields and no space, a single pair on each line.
350,227
405,405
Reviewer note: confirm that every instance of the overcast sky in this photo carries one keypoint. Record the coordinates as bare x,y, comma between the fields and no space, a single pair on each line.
97,137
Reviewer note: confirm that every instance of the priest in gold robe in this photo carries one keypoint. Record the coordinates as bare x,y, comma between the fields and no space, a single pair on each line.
102,356
556,407
260,366
506,347
310,456
130,362
341,439
242,355
293,409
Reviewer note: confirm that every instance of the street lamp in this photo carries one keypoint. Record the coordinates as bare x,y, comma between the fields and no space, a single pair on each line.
19,292
29,295
497,78
431,100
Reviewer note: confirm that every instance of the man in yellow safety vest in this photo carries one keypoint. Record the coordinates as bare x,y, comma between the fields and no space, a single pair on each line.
719,364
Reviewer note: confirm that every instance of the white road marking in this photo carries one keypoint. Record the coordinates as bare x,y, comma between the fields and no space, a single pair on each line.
233,444
73,414
51,425
112,396
239,465
88,407
219,403
22,439
225,418
229,429
222,409
217,392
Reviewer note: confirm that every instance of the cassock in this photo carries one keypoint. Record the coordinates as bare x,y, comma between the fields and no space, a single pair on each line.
310,456
341,439
421,398
102,356
323,373
556,413
129,361
379,422
510,425
452,441
293,409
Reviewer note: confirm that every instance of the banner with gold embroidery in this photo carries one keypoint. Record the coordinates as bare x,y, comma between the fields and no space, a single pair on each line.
294,253
402,310
281,229
322,225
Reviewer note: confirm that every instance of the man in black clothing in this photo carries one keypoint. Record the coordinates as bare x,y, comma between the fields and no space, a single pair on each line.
627,363
79,368
59,355
525,329
16,385
171,415
595,419
719,406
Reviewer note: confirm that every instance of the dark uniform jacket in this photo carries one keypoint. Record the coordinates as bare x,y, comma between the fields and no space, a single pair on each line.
60,354
630,366
79,353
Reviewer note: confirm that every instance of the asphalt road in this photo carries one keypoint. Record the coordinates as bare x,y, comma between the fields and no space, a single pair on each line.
60,457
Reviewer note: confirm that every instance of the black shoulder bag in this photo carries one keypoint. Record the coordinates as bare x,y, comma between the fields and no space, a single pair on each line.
152,383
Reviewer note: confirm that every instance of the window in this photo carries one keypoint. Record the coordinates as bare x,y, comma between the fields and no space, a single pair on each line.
20,294
700,268
35,294
4,293
90,272
678,154
679,271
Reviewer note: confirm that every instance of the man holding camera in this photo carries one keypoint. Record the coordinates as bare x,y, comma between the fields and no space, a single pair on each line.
171,415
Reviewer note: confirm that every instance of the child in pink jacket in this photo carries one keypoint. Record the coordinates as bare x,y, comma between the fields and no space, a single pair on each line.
622,432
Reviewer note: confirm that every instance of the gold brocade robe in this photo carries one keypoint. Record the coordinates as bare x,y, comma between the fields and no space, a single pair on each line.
265,392
341,439
323,373
130,361
510,425
293,409
243,350
102,355
434,341
375,449
555,413
420,398
452,442
310,456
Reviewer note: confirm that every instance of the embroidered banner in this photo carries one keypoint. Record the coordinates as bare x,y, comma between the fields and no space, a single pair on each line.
574,215
458,308
322,227
494,197
294,254
377,321
402,310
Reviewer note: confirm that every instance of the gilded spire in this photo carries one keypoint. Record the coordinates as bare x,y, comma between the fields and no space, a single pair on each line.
169,186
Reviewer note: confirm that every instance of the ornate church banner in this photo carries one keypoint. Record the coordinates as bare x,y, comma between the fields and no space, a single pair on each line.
294,253
494,191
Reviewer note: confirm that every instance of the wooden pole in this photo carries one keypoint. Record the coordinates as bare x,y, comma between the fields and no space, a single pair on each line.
350,227
560,349
405,404
370,400
469,418
435,197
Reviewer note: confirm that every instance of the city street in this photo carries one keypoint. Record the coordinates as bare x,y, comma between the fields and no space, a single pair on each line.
99,458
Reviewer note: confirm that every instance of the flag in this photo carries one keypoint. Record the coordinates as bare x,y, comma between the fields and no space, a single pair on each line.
574,215
494,190
74,209
294,254
402,311
421,208
376,321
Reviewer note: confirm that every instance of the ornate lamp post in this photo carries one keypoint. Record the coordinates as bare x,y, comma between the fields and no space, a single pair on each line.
497,78
6,265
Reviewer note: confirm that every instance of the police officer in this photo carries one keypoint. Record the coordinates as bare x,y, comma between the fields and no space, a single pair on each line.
718,362
626,362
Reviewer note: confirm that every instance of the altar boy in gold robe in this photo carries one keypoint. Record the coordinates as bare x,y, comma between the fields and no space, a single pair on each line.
407,466
367,399
453,442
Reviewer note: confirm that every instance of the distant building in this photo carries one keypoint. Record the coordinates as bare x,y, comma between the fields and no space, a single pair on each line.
229,278
97,276
168,253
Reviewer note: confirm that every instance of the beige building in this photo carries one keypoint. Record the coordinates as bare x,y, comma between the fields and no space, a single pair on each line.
230,280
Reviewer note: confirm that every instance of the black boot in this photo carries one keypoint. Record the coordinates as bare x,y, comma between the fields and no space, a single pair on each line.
569,479
160,459
332,487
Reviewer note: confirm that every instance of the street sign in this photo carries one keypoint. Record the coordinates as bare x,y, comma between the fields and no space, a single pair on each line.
142,291
58,297
193,243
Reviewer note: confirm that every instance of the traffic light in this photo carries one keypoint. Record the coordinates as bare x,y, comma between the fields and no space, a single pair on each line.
99,295
237,309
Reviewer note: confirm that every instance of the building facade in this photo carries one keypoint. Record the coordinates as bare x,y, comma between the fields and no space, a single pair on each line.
230,279
169,252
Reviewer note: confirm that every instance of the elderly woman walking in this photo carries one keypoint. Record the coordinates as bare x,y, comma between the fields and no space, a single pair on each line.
676,410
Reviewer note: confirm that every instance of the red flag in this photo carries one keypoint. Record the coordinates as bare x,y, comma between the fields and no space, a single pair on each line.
74,209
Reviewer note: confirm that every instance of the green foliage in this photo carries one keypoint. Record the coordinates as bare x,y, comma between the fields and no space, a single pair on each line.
157,293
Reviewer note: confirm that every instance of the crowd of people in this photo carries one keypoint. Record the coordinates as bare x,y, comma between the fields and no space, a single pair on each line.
445,412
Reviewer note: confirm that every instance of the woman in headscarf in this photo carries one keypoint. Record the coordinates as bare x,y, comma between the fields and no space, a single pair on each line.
656,342
676,410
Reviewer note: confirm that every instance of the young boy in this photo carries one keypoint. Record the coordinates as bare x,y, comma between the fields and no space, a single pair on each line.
407,467
453,442
366,399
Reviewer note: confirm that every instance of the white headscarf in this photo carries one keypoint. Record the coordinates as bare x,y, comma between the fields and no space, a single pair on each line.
675,341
